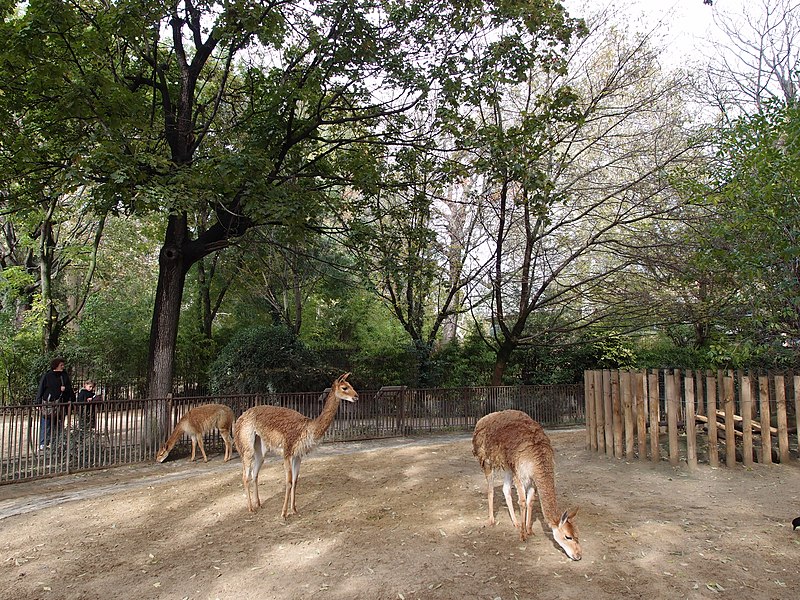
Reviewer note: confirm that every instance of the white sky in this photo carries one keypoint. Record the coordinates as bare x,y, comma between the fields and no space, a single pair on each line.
687,24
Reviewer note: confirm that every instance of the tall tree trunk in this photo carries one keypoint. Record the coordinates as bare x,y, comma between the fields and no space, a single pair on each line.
298,299
166,312
204,293
47,246
423,350
501,361
178,254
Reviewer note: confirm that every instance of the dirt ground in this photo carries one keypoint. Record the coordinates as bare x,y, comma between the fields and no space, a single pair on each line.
400,519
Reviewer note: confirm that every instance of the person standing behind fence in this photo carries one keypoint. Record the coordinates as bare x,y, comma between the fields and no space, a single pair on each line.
87,399
55,387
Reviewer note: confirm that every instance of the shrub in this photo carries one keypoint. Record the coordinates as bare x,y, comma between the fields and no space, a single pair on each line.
266,359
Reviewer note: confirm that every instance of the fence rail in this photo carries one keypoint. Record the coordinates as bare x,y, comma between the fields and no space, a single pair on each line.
106,434
693,416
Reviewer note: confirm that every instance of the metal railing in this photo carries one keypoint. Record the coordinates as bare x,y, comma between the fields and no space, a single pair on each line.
107,434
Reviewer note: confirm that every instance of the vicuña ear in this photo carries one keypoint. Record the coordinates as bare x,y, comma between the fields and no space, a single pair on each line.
343,377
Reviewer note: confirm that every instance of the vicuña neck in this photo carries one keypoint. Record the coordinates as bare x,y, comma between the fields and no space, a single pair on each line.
547,500
325,418
174,438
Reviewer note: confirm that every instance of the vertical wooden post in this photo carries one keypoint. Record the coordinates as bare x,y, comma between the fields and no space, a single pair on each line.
691,440
673,405
641,415
626,385
797,409
617,415
599,418
711,406
746,400
766,435
730,429
698,394
783,426
588,402
655,425
608,412
401,412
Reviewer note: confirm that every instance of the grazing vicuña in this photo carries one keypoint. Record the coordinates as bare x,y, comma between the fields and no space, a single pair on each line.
512,442
196,423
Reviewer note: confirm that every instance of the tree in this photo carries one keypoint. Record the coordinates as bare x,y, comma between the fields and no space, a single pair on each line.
112,337
744,258
757,234
59,249
20,337
757,60
283,272
415,249
574,165
52,219
265,111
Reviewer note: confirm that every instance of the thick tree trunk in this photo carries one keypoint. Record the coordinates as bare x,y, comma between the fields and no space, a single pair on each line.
501,362
178,254
204,292
424,367
166,312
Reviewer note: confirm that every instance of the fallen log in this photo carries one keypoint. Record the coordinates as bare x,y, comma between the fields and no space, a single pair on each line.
738,418
720,426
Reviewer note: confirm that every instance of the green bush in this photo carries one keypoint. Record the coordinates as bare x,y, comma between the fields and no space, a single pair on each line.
267,359
385,366
565,360
113,339
466,363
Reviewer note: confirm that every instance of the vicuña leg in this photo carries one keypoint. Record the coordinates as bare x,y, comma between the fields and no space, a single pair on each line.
292,467
526,499
520,498
528,521
252,460
228,439
197,440
295,477
507,480
258,460
489,474
287,467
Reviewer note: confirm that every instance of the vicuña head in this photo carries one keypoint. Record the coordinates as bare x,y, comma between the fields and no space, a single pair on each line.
343,390
565,535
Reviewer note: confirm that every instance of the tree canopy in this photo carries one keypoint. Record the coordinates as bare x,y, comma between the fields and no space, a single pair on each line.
392,183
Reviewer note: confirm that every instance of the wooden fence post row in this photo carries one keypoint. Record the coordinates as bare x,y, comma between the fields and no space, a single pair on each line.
693,416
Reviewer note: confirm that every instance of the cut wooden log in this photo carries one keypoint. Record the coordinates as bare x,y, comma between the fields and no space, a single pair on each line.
738,418
720,426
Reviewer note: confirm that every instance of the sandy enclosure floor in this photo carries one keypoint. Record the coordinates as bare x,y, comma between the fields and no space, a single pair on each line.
400,519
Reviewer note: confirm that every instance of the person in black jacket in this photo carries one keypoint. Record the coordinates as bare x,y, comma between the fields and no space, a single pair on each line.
87,397
55,388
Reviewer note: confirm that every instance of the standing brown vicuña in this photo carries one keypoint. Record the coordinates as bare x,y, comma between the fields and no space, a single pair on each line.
264,429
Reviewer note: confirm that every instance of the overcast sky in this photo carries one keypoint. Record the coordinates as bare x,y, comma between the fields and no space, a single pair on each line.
688,25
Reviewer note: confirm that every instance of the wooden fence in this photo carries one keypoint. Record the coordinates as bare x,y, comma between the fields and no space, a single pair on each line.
123,432
693,416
